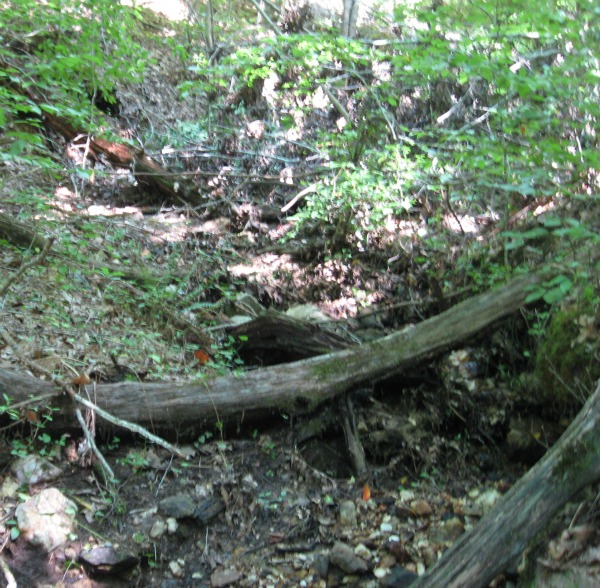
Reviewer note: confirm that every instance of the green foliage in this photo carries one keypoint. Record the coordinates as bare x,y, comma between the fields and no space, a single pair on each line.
302,62
357,201
60,58
501,100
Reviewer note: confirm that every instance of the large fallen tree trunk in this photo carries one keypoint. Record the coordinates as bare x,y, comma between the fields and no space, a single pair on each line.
294,388
572,463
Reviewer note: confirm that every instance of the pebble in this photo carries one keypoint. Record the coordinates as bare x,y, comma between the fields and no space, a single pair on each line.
363,552
158,529
177,568
343,556
224,577
33,469
172,525
398,578
488,500
421,508
320,565
179,506
429,556
348,514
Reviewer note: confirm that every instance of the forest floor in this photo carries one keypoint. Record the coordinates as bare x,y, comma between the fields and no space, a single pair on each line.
273,503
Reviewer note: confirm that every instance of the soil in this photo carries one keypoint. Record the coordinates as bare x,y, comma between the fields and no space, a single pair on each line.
270,502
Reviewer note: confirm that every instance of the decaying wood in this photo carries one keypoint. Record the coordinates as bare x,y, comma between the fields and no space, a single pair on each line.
275,333
296,388
355,448
20,234
174,186
501,536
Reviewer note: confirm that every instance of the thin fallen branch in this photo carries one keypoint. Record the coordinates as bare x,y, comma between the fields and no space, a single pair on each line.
337,104
20,234
128,426
264,14
92,445
8,575
67,389
308,190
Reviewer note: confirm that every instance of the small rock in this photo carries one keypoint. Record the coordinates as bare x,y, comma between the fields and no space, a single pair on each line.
380,573
158,529
224,577
33,469
9,488
177,568
450,531
172,525
208,509
421,508
488,500
107,560
406,495
255,129
348,514
398,551
363,552
398,578
344,558
403,511
179,506
429,556
47,519
320,565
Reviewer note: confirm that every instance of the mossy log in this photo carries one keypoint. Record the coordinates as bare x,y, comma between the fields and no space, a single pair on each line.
500,537
183,409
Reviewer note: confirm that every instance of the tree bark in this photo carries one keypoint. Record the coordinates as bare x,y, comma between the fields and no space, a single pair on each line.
571,464
294,388
20,234
273,333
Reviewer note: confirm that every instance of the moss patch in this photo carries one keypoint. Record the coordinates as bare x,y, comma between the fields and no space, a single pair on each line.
566,363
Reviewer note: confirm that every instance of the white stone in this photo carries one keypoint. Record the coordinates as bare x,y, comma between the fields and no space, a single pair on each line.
47,519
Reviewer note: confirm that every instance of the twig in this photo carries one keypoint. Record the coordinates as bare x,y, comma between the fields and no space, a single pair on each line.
67,389
10,579
128,425
338,105
262,12
456,106
37,260
355,448
92,444
308,190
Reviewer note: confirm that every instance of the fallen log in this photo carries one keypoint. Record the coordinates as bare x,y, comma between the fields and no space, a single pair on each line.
182,409
501,536
274,334
174,186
